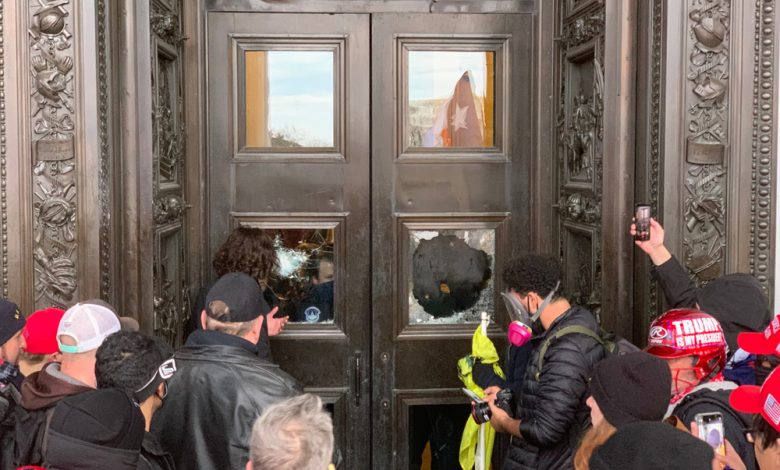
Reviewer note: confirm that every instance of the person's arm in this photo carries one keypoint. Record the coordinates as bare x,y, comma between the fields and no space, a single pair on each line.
502,422
679,289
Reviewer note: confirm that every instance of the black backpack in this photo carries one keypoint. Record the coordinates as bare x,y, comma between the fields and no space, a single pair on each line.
10,400
28,435
612,343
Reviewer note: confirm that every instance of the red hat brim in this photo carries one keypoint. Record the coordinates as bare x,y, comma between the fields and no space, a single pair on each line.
755,343
746,398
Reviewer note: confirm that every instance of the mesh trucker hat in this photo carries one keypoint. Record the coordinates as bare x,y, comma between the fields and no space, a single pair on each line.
88,325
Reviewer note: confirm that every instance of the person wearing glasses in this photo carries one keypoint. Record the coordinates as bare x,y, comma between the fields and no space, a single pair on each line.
140,366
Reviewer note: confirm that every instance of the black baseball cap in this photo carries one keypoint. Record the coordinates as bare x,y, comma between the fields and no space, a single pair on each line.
11,320
242,298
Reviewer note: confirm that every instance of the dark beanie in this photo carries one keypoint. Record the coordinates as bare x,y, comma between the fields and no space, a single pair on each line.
738,302
631,387
647,445
11,320
106,418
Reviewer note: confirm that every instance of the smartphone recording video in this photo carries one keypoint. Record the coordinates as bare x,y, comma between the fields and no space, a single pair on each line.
642,221
711,431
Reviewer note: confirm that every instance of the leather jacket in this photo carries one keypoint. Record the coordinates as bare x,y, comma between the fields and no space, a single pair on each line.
220,389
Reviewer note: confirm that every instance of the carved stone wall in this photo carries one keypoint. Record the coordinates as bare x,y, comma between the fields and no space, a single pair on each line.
707,130
3,161
720,142
52,124
763,144
105,186
171,295
579,154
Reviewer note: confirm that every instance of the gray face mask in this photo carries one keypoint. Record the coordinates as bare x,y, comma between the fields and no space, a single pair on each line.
518,312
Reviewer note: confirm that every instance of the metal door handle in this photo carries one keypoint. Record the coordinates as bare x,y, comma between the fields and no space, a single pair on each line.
358,375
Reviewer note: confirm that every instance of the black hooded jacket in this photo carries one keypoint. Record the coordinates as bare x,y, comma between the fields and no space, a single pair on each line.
552,409
66,453
153,457
220,389
736,300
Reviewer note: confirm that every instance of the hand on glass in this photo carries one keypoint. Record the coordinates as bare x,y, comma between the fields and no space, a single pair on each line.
276,325
655,245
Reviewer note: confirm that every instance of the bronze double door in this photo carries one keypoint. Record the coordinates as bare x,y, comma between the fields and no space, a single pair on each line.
388,155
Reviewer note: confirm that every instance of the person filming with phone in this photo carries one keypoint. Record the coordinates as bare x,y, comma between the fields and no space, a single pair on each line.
550,411
736,300
694,347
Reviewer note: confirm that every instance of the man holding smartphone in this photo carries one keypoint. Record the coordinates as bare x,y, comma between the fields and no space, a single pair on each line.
692,344
551,413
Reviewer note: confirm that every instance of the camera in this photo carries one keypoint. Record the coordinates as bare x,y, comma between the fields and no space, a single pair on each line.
505,400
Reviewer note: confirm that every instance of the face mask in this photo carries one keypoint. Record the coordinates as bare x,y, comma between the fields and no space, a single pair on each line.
520,331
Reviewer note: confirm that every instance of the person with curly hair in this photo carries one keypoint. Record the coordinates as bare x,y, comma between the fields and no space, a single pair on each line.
250,251
140,366
550,410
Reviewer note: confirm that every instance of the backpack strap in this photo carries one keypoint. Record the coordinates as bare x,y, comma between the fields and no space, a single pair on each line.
45,440
558,334
693,401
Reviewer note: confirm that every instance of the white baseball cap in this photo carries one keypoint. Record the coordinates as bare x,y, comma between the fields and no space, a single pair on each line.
88,325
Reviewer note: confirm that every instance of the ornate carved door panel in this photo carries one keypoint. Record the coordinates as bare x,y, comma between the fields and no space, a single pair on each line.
594,155
171,285
580,149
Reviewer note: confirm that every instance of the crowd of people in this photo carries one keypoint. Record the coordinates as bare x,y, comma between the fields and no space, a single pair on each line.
703,394
82,388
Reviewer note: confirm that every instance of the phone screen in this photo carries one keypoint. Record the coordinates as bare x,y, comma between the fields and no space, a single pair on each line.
642,220
711,430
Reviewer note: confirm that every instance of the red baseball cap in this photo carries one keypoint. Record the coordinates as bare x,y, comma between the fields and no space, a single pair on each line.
764,399
766,342
40,332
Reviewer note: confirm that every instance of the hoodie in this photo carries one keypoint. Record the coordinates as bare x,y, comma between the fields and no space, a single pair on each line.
41,391
44,389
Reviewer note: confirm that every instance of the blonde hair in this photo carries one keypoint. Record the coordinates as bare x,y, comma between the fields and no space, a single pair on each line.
593,439
295,434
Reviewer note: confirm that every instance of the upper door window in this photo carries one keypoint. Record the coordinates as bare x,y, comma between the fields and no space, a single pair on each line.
451,99
289,99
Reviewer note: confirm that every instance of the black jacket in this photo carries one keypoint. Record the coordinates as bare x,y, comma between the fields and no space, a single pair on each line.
735,300
552,409
153,457
220,389
714,398
66,453
679,289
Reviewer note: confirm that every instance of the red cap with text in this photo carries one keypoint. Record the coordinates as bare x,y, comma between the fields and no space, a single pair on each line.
767,342
764,399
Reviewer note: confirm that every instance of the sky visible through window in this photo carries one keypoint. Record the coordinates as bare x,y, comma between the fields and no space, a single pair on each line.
301,96
433,74
301,99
